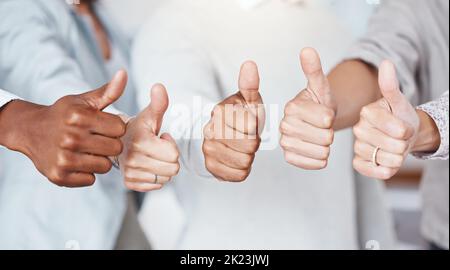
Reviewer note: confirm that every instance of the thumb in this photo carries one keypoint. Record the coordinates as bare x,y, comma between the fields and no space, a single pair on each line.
153,115
109,93
317,81
390,87
249,82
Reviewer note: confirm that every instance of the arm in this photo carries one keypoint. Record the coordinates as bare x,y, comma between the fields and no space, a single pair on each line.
334,102
70,140
391,128
346,82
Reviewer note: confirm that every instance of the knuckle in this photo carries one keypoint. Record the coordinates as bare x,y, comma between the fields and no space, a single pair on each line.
89,181
132,161
284,127
62,160
402,146
56,176
397,161
290,108
403,131
174,154
128,174
69,141
248,161
284,142
117,147
174,169
322,164
121,127
241,176
365,111
106,166
290,158
357,130
329,137
210,165
208,148
357,146
254,145
355,164
328,116
74,117
177,169
217,111
387,174
325,153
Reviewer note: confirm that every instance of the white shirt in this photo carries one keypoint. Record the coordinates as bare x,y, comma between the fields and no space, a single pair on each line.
197,55
6,97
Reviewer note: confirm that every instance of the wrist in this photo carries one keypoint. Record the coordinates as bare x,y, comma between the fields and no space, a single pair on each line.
428,137
16,120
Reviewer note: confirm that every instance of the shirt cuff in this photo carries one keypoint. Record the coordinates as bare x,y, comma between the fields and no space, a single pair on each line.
6,98
438,111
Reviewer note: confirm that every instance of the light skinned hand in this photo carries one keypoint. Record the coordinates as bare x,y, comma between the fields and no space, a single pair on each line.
149,160
307,127
391,123
232,136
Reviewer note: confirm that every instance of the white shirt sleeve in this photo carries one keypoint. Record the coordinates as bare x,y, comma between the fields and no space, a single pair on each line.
6,97
438,111
179,61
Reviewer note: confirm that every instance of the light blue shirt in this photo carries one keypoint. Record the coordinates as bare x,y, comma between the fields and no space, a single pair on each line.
47,52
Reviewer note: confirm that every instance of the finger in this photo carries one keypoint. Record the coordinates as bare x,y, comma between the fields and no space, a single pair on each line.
390,89
240,119
312,68
225,173
158,149
228,156
387,123
151,165
249,83
304,162
315,114
75,180
376,138
100,146
153,115
293,127
299,147
142,187
88,164
385,159
223,127
108,125
140,176
241,143
107,94
368,169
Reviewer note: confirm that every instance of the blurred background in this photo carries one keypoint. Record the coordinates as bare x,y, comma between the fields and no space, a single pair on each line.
402,192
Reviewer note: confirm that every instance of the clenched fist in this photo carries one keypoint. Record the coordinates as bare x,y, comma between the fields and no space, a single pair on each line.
387,130
149,160
232,136
71,140
307,128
